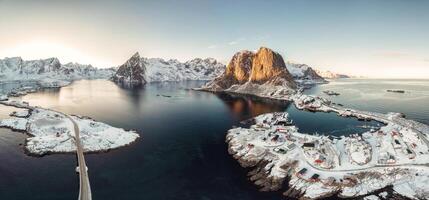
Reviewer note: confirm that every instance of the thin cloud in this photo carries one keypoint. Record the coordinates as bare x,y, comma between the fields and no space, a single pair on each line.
426,60
234,42
238,41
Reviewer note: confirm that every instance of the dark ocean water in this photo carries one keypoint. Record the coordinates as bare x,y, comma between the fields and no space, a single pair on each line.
182,152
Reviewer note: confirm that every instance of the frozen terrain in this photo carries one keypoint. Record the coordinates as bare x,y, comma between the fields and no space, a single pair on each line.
52,132
319,166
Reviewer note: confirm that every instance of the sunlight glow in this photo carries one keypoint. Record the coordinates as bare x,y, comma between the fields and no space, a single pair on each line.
41,49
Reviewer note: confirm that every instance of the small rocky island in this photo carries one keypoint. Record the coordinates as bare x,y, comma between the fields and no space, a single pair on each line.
331,93
396,91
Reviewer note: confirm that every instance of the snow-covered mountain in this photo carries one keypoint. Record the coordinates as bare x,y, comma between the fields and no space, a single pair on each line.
131,73
304,74
17,69
331,75
158,69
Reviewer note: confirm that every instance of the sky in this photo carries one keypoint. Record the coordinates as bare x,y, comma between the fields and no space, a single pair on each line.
373,38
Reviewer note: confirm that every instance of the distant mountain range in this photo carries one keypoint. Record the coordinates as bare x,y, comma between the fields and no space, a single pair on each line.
140,70
48,72
18,69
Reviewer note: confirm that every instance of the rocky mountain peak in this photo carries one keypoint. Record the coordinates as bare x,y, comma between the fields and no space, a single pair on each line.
240,66
134,60
270,66
135,55
131,73
263,67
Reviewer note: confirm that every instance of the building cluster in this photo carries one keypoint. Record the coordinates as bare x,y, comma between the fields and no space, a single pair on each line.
358,150
321,153
397,146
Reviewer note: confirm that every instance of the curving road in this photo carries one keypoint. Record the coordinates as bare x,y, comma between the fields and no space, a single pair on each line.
84,186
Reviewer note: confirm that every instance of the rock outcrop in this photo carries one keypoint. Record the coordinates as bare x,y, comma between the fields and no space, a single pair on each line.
131,73
263,74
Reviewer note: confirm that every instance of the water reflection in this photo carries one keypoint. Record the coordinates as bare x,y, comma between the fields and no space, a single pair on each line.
248,107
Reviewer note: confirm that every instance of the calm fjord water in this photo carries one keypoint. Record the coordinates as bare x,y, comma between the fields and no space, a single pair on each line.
182,152
371,95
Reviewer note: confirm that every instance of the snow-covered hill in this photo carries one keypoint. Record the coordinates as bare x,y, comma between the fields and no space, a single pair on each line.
304,74
17,69
158,69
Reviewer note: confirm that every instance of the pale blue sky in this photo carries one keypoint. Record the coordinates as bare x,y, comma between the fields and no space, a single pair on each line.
371,38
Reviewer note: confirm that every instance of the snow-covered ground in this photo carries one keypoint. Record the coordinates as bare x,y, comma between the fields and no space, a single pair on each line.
53,132
266,90
395,155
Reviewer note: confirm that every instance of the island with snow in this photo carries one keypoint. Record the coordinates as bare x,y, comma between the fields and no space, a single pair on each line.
52,131
396,155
